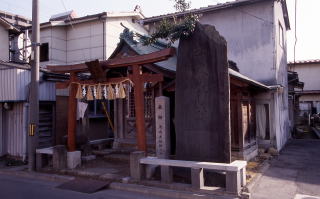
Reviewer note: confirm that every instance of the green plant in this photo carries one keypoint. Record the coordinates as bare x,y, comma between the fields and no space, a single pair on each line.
173,29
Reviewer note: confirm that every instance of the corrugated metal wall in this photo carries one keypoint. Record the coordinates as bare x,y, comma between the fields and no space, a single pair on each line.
15,130
8,84
14,86
47,91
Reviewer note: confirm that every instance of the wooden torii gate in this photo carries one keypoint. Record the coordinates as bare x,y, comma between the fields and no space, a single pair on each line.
97,70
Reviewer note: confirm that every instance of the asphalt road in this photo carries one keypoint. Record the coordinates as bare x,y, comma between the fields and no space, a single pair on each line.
14,187
295,173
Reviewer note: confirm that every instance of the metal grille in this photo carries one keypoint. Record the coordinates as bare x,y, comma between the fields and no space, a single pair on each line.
148,104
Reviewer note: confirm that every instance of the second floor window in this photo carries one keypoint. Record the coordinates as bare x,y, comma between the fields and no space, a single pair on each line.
44,52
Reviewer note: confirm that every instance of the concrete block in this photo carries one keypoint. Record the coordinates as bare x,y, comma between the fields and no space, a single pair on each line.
137,170
197,179
166,174
88,158
125,180
73,159
233,183
59,157
243,177
39,161
150,170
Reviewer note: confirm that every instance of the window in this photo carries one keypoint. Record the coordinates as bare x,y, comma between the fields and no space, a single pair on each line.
44,52
281,37
148,104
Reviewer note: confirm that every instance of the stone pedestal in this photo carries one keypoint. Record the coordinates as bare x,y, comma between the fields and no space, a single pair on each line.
162,114
59,157
73,159
202,112
137,170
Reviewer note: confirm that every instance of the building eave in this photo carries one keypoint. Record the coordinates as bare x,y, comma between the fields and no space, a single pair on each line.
201,10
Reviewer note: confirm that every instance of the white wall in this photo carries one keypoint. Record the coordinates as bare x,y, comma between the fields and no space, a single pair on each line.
85,42
251,33
57,39
282,104
309,74
114,29
4,44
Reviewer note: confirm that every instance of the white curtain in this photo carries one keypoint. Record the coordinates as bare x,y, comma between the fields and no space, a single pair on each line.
261,118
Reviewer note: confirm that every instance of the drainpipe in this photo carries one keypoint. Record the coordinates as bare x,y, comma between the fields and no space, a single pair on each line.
104,36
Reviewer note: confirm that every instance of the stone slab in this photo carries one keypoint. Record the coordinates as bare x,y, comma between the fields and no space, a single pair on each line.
234,166
202,98
162,115
73,159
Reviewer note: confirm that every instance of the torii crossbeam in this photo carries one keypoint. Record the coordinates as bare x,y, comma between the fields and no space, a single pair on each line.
97,70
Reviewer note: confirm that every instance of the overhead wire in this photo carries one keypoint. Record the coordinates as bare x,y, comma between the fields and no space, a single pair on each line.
295,33
71,23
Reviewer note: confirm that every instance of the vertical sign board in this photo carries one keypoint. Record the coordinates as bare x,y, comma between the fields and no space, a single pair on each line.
162,112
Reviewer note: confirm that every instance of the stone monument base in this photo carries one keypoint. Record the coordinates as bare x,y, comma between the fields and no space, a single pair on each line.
73,159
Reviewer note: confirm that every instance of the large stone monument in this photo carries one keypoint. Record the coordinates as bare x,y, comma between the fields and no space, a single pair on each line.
202,97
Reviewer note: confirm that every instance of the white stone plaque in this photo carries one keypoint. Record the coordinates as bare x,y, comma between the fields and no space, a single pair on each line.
162,112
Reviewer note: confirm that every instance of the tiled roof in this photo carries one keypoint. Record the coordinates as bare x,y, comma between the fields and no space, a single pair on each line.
135,43
311,61
7,65
218,6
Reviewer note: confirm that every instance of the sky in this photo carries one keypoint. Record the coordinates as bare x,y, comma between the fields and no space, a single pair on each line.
308,15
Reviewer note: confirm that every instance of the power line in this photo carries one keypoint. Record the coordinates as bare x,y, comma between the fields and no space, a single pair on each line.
295,33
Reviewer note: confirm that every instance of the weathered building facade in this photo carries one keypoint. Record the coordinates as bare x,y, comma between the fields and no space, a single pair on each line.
243,93
255,31
309,97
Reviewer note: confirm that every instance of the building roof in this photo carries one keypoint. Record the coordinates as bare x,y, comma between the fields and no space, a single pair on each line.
218,6
102,15
135,44
250,81
9,65
8,25
300,62
15,20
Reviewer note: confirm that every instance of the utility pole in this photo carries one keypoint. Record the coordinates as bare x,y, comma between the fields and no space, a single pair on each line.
34,88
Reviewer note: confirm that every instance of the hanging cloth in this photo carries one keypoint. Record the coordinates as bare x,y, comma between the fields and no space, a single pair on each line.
261,119
81,109
89,94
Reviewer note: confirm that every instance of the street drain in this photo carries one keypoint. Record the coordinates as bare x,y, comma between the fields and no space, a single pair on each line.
84,185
